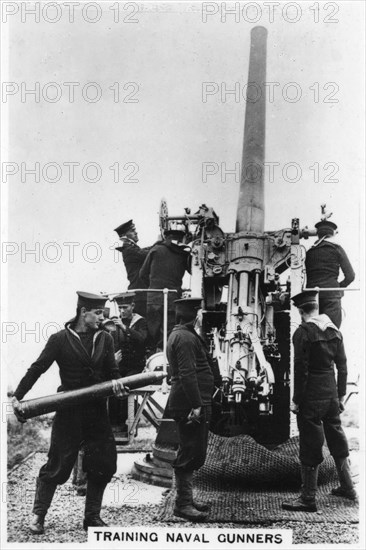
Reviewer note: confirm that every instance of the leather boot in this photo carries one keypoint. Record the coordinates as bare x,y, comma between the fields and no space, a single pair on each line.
201,506
93,504
306,500
184,507
36,524
42,501
346,488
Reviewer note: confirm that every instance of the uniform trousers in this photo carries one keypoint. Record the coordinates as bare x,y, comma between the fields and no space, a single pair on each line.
88,425
155,316
193,439
317,420
332,307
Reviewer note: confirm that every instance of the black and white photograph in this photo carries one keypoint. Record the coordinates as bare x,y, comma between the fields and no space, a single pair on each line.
182,274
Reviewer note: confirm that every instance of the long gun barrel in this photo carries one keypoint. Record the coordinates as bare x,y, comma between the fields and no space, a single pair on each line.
42,405
250,212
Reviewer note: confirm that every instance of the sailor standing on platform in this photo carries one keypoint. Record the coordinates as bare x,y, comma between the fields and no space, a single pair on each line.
133,258
164,267
85,356
323,262
318,400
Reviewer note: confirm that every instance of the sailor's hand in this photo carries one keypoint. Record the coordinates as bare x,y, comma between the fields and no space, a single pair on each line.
119,389
341,404
195,414
17,410
294,407
118,356
117,321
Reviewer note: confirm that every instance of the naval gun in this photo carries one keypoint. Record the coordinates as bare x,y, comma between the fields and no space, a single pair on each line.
246,318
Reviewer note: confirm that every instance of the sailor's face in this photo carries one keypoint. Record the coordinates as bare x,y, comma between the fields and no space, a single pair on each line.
199,317
126,311
302,315
132,234
198,322
93,318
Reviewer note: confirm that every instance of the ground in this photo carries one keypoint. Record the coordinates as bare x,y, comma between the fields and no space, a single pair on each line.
138,503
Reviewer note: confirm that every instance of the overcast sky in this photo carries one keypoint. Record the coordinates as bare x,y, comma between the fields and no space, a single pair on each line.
160,131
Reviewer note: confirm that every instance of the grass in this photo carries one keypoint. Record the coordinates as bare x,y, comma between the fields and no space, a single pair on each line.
34,434
25,438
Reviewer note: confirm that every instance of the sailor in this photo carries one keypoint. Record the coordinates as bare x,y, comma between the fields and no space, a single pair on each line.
130,343
133,258
323,262
164,267
109,326
189,404
318,400
85,356
131,335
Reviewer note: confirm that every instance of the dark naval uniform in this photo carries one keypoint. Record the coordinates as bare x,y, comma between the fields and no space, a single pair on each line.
83,359
132,343
318,401
163,267
192,386
133,259
323,262
85,356
318,345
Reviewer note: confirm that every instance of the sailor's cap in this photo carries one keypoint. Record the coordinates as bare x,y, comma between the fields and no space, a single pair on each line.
125,298
174,232
305,297
188,303
90,301
326,224
124,227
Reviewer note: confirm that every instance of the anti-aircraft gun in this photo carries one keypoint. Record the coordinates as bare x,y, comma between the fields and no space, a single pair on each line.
246,305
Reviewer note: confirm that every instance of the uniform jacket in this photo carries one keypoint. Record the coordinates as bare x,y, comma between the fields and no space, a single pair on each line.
133,258
323,262
318,345
132,344
164,266
77,368
191,374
